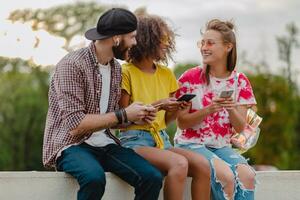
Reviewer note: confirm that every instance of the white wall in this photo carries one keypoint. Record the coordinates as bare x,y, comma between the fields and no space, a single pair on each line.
277,185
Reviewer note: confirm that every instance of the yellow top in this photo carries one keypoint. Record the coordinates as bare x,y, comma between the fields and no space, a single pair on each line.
148,88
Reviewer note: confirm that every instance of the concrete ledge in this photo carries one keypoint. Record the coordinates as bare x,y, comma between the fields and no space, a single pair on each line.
275,185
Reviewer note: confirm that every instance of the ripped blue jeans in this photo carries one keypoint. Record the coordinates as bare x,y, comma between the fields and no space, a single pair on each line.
232,159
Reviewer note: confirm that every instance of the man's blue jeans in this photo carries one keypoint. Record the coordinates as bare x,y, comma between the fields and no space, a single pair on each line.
88,164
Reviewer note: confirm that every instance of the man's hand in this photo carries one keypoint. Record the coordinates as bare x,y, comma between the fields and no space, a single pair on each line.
150,117
137,112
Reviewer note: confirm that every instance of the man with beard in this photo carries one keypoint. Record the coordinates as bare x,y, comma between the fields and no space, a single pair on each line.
83,105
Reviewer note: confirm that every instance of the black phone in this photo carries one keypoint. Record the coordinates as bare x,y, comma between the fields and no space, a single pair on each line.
186,97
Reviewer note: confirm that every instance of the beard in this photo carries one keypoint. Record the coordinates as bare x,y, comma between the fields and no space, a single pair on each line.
120,52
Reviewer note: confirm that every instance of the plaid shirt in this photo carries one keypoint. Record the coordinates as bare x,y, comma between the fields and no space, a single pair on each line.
75,91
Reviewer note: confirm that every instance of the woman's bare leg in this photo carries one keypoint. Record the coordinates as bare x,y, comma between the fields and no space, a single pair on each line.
174,165
246,176
199,170
225,176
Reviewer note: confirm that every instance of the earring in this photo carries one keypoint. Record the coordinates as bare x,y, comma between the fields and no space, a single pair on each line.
117,42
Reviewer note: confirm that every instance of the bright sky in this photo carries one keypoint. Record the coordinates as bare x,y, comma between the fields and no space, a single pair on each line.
257,21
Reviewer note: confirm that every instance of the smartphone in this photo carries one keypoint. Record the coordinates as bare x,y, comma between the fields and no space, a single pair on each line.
186,97
226,94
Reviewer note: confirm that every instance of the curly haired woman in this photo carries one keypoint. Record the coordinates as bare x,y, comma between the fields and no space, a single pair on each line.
147,80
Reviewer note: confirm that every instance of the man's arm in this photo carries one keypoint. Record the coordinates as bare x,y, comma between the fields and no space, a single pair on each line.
70,93
95,122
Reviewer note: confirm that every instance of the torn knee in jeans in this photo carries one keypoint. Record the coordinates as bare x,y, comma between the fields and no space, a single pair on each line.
224,175
245,176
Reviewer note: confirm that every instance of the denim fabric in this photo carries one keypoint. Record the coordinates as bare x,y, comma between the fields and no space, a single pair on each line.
88,164
232,158
138,138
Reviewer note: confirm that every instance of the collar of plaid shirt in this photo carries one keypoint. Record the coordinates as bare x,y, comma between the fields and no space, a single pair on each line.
74,92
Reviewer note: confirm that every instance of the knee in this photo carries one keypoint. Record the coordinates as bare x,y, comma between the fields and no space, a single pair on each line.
179,167
246,176
200,167
152,175
223,172
95,179
226,177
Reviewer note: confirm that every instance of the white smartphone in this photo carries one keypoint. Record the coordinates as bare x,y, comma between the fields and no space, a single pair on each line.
226,93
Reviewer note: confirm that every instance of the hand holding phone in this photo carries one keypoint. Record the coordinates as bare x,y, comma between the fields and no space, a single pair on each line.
226,94
186,97
158,105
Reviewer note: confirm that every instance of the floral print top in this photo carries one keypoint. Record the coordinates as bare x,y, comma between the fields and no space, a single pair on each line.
215,130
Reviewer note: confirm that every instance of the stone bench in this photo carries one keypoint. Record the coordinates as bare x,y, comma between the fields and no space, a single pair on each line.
272,185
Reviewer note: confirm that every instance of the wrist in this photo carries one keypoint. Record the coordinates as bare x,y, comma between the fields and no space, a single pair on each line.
124,115
121,116
206,111
118,115
232,110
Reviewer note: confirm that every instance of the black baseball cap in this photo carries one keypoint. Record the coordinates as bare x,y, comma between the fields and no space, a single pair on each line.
115,21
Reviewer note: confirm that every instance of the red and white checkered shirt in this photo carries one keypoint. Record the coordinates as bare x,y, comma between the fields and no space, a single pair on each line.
75,91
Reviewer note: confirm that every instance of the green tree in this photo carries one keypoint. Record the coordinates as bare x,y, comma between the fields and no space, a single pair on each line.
65,21
180,68
286,45
23,108
277,104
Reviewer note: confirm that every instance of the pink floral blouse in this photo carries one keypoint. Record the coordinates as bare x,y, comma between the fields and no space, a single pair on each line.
215,130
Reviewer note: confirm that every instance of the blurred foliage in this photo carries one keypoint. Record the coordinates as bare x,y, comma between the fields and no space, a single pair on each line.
65,21
286,45
278,104
182,67
23,108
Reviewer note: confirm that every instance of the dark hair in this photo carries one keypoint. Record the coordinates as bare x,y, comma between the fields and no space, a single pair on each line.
225,28
150,31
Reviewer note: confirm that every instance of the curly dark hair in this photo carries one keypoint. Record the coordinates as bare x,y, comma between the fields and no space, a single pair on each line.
151,31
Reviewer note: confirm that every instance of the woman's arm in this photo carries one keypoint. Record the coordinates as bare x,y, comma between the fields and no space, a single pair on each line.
237,117
187,120
125,99
174,107
237,114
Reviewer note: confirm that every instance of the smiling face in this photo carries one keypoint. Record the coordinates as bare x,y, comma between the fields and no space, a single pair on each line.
163,47
213,49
